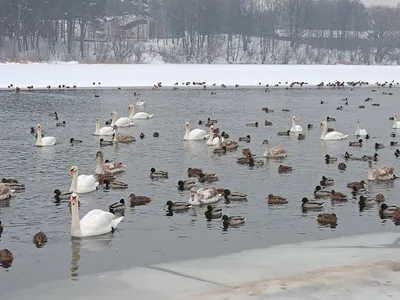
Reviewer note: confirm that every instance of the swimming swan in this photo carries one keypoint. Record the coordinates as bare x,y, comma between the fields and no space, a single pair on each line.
360,132
103,130
95,222
396,124
139,115
295,128
331,136
194,135
203,196
43,141
276,152
83,183
121,122
380,174
109,167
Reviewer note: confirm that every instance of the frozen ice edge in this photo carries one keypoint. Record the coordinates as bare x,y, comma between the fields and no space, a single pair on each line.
340,268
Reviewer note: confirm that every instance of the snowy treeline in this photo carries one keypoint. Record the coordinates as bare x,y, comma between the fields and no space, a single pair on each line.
200,31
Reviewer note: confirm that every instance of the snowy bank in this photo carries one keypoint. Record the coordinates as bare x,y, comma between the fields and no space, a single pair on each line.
84,75
354,267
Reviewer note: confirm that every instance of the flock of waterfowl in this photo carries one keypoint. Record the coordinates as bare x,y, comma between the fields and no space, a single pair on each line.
98,221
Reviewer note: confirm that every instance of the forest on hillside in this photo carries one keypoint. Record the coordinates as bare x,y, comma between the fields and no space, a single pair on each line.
199,31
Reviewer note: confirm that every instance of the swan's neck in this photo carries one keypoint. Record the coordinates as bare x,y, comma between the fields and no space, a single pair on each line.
97,128
114,119
187,131
115,140
74,183
293,124
266,150
370,171
39,138
100,162
358,126
395,122
324,130
75,222
132,113
218,145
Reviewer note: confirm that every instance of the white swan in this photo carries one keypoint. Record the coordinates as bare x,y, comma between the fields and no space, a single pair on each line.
109,167
121,122
139,115
211,141
295,128
360,132
194,135
83,183
103,130
203,196
95,222
276,152
331,136
43,141
221,142
380,174
396,124
141,103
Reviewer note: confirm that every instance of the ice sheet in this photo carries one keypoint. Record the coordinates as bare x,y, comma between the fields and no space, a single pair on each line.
358,267
83,75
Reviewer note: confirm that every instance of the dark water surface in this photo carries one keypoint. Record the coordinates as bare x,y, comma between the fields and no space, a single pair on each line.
146,236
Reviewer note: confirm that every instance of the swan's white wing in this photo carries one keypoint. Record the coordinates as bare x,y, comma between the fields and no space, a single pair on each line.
197,134
124,122
106,131
142,115
207,195
96,222
334,135
86,183
278,151
48,140
383,172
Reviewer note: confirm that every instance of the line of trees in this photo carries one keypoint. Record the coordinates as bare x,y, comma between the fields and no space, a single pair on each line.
195,26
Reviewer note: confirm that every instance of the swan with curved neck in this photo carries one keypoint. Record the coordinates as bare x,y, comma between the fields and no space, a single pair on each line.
139,115
380,174
360,132
276,152
43,141
83,183
103,130
108,167
211,141
295,128
95,222
396,124
331,136
121,122
194,135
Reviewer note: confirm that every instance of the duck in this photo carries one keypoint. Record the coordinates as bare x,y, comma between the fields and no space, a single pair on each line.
121,122
379,146
342,166
329,119
380,198
207,177
337,196
311,204
380,174
139,115
39,239
104,143
310,126
387,211
82,183
156,134
295,128
358,184
120,138
220,150
284,133
138,200
194,172
365,202
331,136
225,135
209,121
178,206
142,136
234,196
213,213
267,123
276,199
1,228
107,184
5,191
244,160
327,219
396,124
397,153
360,132
158,174
320,193
228,144
356,144
355,191
393,143
203,196
326,181
43,141
61,124
58,195
74,141
252,124
276,152
371,157
117,207
329,158
186,185
194,135
13,184
6,256
301,136
95,222
284,169
104,131
107,167
233,220
245,139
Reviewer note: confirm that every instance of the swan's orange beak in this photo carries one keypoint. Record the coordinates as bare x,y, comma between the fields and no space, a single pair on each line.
71,172
73,200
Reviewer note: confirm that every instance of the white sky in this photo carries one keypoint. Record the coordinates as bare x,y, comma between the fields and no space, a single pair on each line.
381,2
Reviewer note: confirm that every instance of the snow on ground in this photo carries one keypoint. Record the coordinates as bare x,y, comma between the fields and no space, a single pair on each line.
131,75
357,267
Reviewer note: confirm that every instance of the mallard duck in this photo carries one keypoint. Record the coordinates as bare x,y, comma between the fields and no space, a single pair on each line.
355,191
267,123
379,146
194,172
342,166
104,143
387,211
6,256
138,200
142,136
39,239
365,201
245,139
320,193
358,184
186,185
310,126
252,124
380,198
330,158
207,177
225,135
114,185
356,144
120,138
233,220
220,150
212,213
347,155
284,169
301,136
276,199
326,181
74,141
58,195
117,207
397,153
329,119
246,152
234,196
158,174
284,133
337,196
178,206
311,204
327,219
393,143
61,124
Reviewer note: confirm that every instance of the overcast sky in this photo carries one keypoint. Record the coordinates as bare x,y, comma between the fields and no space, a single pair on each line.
381,2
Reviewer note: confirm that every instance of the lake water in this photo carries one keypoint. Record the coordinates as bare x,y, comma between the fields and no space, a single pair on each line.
146,236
